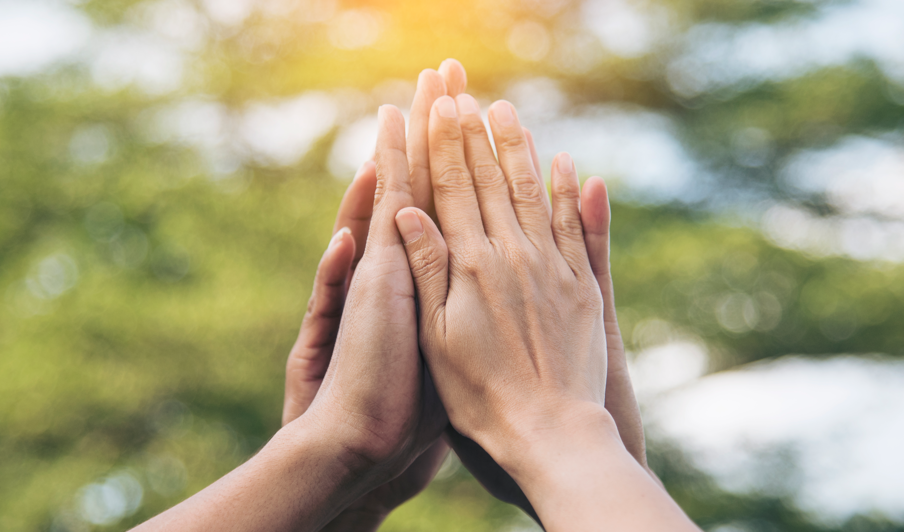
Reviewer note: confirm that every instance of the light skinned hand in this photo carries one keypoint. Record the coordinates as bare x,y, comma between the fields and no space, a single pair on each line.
512,327
620,400
310,356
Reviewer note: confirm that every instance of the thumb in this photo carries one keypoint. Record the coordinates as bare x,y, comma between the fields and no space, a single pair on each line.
428,258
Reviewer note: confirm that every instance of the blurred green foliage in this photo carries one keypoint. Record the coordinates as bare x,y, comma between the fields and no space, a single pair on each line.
149,301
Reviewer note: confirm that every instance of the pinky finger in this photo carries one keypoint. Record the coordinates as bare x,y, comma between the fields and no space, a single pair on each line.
310,356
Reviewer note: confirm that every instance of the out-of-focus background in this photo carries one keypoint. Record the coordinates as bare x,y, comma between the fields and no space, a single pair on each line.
169,170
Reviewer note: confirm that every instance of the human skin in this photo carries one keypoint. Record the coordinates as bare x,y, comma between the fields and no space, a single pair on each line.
310,355
512,327
264,494
376,410
309,358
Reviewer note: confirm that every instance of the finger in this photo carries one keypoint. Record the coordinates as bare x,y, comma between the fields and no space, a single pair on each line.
515,159
620,400
453,189
428,258
489,181
535,158
566,216
455,76
393,189
430,86
357,207
310,356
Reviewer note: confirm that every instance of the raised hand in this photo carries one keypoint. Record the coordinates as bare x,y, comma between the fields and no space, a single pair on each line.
511,322
310,357
620,400
376,391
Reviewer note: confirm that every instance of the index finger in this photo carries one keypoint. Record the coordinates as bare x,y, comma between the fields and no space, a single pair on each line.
430,86
393,190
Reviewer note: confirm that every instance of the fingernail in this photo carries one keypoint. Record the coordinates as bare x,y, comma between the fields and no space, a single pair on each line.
502,112
362,169
338,236
424,73
565,164
467,104
445,106
410,226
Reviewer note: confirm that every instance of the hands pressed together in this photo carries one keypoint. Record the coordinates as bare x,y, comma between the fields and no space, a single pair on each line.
456,306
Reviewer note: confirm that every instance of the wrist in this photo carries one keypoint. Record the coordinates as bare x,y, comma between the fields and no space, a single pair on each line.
534,439
329,477
576,472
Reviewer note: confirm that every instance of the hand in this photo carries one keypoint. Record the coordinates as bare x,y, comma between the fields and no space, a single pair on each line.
376,391
510,311
620,400
511,304
355,437
310,357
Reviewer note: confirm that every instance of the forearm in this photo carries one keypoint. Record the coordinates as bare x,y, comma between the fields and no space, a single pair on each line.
298,482
580,477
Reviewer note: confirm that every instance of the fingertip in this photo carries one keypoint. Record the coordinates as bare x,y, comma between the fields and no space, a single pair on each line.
467,104
455,77
595,205
564,164
369,167
339,236
410,226
503,113
338,257
343,241
430,81
388,112
445,107
391,130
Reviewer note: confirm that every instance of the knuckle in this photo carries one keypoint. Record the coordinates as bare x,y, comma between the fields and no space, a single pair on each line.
511,142
388,186
472,126
565,190
426,261
448,143
568,225
525,188
470,262
588,298
453,177
520,258
488,173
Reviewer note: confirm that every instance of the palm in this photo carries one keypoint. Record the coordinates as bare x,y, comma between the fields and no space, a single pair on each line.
307,367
